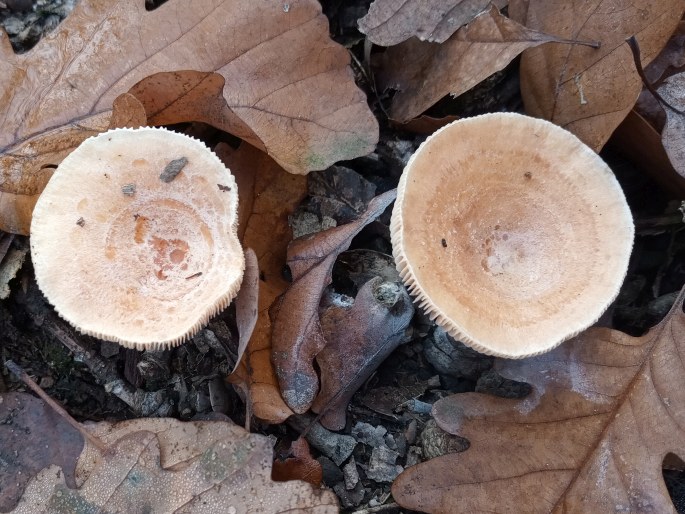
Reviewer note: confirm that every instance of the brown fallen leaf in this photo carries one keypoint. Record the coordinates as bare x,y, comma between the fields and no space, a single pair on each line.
127,111
297,336
673,134
386,400
424,72
423,124
358,338
300,465
605,410
637,139
25,419
589,91
27,167
389,22
269,73
165,465
671,59
268,195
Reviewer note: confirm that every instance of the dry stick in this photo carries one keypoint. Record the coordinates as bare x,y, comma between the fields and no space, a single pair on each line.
635,48
101,369
379,508
23,376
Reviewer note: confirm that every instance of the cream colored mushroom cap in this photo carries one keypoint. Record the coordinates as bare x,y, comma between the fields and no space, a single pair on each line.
127,257
511,233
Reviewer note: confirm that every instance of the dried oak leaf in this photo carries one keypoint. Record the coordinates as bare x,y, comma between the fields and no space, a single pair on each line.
423,124
671,59
389,22
358,338
165,465
268,195
270,74
673,134
636,138
33,437
300,465
605,410
297,336
589,91
424,72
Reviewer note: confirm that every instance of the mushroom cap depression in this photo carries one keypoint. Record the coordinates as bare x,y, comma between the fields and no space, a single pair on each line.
134,238
511,233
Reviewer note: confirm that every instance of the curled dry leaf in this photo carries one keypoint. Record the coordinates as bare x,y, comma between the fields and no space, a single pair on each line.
300,465
286,87
673,134
589,91
297,336
268,195
358,338
389,22
605,410
247,303
10,264
165,465
53,441
424,72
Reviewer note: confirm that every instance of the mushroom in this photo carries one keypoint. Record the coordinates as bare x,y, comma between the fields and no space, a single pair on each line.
511,233
129,253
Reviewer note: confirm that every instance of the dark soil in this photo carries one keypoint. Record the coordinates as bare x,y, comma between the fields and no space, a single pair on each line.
391,411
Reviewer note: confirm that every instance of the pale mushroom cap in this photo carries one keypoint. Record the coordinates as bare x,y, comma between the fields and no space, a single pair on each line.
511,233
148,269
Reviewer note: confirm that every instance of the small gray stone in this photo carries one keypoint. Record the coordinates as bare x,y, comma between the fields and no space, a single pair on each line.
151,403
658,307
437,442
349,499
206,340
303,223
401,444
390,441
351,474
382,467
414,456
339,193
200,401
419,407
13,26
453,358
410,432
331,472
218,396
368,434
336,446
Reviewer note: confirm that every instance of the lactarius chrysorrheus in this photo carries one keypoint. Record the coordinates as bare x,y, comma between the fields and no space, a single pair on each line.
134,238
511,233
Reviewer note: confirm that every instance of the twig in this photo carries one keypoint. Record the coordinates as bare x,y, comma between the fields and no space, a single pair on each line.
635,48
23,376
104,372
370,79
379,508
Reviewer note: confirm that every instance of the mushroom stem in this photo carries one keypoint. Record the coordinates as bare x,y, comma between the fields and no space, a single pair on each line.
31,384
